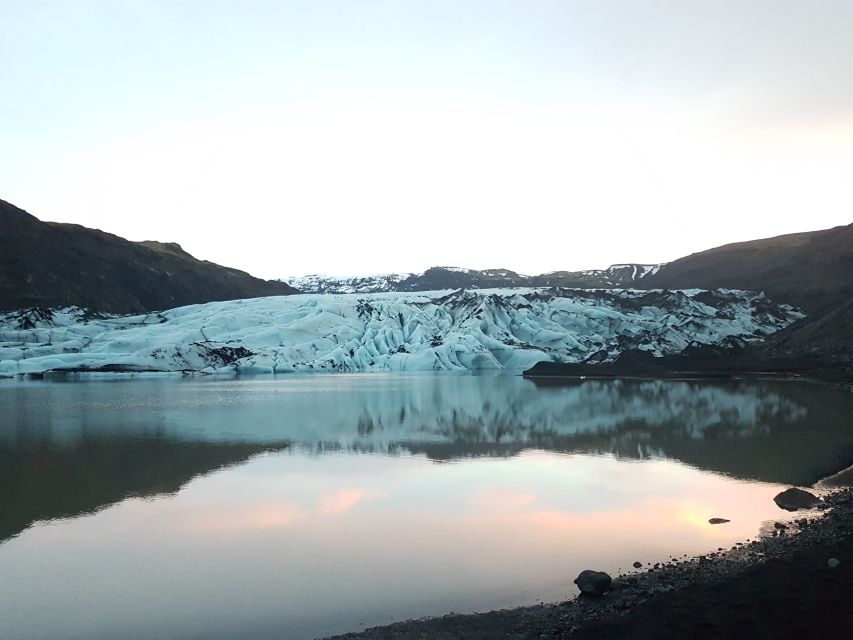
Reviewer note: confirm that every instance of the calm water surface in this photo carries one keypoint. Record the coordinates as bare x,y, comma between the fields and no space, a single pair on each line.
302,506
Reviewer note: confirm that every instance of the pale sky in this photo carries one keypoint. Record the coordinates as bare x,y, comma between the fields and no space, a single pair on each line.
287,138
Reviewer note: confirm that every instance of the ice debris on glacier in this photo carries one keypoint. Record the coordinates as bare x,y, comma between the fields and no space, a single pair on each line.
446,330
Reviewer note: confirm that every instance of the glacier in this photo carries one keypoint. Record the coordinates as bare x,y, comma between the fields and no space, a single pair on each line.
426,331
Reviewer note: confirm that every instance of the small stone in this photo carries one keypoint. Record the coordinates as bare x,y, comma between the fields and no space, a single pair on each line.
718,521
595,583
795,499
832,563
638,564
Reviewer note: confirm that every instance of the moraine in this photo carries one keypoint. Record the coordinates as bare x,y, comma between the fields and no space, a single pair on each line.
426,331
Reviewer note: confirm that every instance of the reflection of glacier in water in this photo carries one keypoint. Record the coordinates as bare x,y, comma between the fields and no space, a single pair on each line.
524,414
378,412
715,425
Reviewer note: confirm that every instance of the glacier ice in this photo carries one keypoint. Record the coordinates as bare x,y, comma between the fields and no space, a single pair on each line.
439,330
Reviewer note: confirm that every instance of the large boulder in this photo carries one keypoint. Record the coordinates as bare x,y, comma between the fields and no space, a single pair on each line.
795,499
594,583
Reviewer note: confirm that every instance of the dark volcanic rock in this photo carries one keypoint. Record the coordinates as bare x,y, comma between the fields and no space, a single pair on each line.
595,583
795,499
703,359
705,362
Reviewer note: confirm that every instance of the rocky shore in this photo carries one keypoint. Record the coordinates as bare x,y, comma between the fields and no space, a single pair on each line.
703,362
794,581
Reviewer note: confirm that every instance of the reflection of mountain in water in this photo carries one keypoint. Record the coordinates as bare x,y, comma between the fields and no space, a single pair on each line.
48,482
72,448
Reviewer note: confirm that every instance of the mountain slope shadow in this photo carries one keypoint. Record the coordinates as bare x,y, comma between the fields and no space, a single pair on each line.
45,482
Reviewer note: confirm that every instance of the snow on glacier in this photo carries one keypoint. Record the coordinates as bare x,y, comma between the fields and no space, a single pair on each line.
318,283
445,330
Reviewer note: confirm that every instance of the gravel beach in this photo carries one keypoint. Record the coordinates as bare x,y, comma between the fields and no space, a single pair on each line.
794,581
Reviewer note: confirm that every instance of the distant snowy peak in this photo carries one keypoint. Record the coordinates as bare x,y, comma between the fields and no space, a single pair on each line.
438,278
616,275
317,283
635,271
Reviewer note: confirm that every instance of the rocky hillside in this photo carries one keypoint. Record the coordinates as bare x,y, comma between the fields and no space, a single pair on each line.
47,264
812,270
438,278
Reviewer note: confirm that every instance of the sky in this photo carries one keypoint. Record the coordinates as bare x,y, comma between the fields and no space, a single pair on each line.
339,137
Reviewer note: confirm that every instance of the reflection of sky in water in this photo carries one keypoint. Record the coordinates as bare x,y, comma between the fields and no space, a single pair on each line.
295,544
301,545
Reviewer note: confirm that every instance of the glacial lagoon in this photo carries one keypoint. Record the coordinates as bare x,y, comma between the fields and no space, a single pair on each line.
300,506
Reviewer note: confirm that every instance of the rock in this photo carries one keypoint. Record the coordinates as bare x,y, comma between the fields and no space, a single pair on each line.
718,521
595,583
638,565
621,585
840,479
794,499
832,563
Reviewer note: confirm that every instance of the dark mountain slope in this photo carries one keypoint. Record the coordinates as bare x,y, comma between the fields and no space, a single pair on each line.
812,270
51,264
827,337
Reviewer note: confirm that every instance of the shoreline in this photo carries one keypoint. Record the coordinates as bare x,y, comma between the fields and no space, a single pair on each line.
701,362
776,586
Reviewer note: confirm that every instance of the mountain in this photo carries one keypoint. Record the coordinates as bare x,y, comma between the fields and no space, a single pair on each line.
438,278
49,264
614,276
430,331
379,283
812,270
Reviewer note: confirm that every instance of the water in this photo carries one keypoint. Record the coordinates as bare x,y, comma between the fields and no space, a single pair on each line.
303,506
